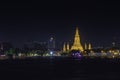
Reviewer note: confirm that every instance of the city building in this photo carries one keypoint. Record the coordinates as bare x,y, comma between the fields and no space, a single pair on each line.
51,46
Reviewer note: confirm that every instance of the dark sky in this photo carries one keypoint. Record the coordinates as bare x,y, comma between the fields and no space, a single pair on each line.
98,22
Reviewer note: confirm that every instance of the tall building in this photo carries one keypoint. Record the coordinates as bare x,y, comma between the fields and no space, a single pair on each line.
77,45
51,44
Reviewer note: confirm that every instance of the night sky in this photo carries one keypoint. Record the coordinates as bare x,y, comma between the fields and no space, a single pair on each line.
98,22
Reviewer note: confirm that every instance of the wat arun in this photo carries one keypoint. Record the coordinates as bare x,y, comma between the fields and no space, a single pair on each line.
77,43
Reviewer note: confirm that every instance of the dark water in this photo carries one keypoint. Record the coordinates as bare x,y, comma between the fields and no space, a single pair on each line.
60,69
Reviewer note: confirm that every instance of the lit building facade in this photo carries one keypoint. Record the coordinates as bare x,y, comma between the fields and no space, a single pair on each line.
66,47
77,44
51,45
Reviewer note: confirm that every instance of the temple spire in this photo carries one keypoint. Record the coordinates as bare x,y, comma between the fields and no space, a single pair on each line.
64,48
77,32
77,45
89,46
68,47
85,46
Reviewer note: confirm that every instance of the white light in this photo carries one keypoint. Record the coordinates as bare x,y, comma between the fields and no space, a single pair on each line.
51,52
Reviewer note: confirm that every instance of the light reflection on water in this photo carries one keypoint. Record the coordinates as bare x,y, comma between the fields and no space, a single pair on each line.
66,67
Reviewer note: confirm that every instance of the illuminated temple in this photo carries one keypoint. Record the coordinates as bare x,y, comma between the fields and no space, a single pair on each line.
77,44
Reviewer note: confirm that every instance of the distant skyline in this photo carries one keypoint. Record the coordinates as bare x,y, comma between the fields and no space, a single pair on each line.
98,22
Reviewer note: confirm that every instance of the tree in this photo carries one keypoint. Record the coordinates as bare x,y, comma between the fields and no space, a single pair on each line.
10,52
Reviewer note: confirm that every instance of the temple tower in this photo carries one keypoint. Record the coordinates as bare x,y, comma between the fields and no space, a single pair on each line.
77,45
89,46
64,48
85,46
68,47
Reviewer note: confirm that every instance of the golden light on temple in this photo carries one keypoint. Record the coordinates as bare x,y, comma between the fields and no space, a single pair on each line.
64,48
85,46
68,47
89,46
77,45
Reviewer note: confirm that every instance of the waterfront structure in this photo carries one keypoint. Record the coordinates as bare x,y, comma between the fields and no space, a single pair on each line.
85,46
77,44
68,47
51,46
89,46
64,48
